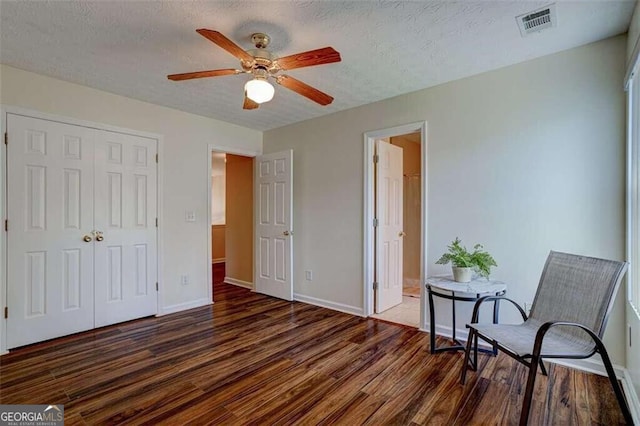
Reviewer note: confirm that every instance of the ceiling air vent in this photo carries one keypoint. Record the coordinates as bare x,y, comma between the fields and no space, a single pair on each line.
538,20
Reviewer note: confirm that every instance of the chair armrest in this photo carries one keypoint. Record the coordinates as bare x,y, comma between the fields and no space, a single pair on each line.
476,307
537,346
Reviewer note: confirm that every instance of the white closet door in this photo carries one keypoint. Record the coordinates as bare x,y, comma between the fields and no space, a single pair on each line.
125,215
50,210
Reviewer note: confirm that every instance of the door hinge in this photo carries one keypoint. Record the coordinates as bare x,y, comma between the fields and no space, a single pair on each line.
375,222
156,158
376,158
375,285
156,286
156,222
6,312
6,138
6,225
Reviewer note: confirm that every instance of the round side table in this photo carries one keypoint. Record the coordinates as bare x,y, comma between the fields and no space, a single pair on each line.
446,288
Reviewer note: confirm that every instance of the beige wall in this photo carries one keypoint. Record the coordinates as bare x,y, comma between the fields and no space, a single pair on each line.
239,234
525,159
217,243
410,145
184,164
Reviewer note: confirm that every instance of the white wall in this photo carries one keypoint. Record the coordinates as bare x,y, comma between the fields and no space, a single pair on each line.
524,159
184,163
634,31
633,353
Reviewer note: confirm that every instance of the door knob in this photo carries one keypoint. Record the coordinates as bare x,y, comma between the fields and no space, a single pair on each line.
87,238
287,233
99,236
401,234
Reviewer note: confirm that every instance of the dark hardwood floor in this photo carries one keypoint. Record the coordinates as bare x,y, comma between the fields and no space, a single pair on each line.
218,270
252,359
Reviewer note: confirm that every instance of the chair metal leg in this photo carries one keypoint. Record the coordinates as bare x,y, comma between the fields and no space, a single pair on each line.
543,368
622,402
528,394
467,352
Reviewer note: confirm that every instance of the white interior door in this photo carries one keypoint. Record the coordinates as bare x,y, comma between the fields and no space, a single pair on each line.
273,226
49,211
389,231
125,224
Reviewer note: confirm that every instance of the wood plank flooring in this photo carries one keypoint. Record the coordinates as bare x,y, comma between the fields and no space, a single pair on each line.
252,359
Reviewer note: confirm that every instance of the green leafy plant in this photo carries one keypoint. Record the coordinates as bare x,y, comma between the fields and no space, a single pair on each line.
479,259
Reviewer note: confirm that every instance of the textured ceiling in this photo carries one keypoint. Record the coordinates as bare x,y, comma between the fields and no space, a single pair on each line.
388,47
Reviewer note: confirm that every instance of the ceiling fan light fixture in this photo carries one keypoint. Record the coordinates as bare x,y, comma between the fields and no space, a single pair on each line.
259,90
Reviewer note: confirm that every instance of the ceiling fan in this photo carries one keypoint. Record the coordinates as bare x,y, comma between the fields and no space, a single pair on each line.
262,65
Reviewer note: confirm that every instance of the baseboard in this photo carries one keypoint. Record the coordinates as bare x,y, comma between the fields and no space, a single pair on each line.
632,397
183,306
590,365
239,283
341,307
219,260
461,334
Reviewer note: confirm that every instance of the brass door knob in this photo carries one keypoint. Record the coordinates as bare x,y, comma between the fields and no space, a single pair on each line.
401,234
287,233
87,238
99,236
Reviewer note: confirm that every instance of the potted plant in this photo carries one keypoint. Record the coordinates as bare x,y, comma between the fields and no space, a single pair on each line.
463,262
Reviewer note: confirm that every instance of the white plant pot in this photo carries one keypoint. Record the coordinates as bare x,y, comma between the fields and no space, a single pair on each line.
462,275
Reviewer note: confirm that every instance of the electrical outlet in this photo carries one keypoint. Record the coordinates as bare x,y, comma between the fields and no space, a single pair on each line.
308,275
190,216
184,279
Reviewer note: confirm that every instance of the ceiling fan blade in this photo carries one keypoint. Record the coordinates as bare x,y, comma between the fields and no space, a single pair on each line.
202,74
304,89
248,103
326,55
226,44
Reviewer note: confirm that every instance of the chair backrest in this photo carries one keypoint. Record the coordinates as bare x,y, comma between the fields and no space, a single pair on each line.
577,289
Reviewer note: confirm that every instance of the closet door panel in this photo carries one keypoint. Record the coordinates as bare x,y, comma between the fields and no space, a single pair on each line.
125,218
49,211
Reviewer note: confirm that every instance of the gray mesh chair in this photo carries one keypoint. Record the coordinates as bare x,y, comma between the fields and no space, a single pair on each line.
567,320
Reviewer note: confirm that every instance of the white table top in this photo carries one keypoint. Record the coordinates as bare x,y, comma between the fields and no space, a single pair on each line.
475,286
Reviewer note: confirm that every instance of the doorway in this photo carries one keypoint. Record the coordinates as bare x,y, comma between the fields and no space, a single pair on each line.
260,245
231,219
395,220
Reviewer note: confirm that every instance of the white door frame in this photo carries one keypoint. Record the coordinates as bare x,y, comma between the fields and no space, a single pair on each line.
9,109
226,150
369,211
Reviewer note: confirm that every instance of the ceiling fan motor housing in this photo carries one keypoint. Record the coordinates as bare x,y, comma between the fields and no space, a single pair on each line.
261,58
